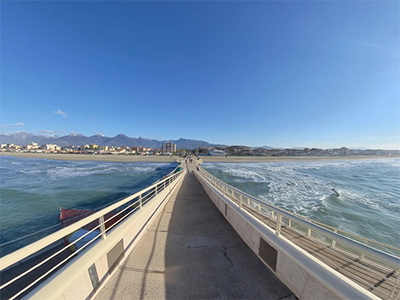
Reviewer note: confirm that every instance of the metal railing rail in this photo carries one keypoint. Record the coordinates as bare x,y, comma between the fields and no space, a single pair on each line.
141,198
328,236
371,243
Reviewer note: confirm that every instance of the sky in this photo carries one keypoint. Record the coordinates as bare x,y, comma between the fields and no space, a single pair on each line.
320,74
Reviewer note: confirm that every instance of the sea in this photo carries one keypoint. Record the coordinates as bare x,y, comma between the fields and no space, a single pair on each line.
369,201
32,191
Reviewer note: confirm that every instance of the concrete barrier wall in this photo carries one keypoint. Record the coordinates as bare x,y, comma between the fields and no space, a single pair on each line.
97,263
303,274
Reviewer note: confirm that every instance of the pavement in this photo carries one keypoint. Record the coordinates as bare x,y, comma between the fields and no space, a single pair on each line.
192,252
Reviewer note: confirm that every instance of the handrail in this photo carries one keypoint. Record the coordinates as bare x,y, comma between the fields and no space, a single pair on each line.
366,240
30,249
100,230
378,255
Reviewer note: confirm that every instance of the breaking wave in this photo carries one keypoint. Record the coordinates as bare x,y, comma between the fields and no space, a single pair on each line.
369,191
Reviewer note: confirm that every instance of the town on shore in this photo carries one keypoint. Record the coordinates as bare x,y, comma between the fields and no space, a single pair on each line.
169,149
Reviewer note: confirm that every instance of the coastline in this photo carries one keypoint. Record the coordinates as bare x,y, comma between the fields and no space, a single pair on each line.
229,159
238,159
90,157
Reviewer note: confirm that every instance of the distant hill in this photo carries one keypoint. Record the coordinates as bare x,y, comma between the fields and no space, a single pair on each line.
23,138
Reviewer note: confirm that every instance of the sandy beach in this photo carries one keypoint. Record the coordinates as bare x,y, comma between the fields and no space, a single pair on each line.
90,157
143,158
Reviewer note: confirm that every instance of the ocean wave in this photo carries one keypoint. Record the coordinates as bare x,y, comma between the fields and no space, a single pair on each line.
368,189
32,172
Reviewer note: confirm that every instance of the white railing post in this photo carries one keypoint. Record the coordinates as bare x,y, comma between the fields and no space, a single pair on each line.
363,254
140,201
308,226
395,287
278,224
334,241
102,227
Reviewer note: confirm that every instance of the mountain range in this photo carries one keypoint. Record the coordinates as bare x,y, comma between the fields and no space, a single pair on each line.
23,138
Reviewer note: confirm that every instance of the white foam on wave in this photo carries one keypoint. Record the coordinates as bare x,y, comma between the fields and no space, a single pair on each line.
285,186
31,172
72,172
369,191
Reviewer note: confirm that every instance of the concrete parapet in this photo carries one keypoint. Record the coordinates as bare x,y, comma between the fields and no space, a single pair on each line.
303,274
85,275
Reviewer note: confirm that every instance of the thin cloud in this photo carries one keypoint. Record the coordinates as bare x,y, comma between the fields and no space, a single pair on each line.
52,132
59,112
14,125
46,131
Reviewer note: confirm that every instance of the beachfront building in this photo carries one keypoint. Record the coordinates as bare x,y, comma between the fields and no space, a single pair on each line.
103,148
50,147
93,147
260,152
239,150
10,147
168,147
215,152
32,146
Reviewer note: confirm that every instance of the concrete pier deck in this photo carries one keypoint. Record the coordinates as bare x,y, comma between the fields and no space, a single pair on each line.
191,252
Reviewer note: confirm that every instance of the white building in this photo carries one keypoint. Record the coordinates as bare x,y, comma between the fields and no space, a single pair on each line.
32,146
168,147
216,153
49,147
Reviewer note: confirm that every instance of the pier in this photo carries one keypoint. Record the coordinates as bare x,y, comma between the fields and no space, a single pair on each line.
191,252
190,235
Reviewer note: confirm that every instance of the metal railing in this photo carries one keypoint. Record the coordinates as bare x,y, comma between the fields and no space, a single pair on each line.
121,210
354,249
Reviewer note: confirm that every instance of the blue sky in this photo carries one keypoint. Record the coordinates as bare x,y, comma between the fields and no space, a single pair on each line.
284,74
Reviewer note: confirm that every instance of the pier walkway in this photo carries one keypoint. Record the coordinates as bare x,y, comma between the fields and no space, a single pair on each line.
190,252
190,235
